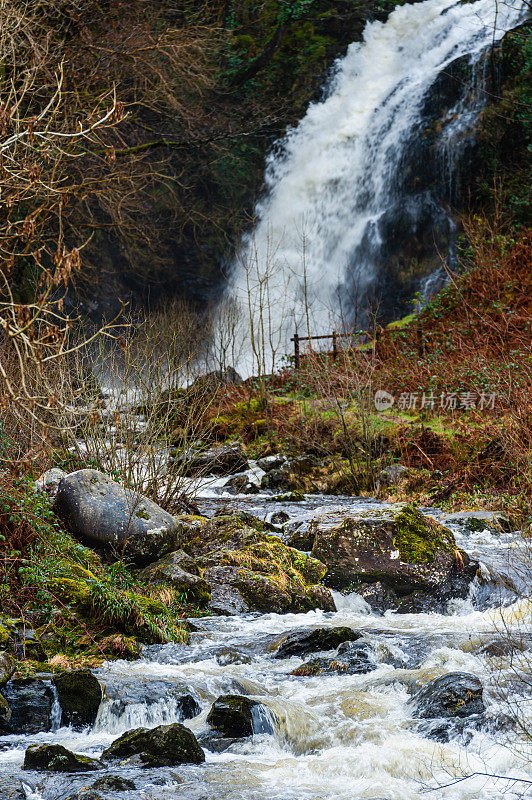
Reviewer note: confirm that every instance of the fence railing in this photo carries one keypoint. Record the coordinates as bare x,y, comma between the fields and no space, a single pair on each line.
335,336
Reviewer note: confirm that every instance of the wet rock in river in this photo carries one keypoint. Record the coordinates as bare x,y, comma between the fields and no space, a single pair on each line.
235,716
113,783
96,509
164,746
275,479
302,642
80,694
217,742
457,694
455,697
242,484
180,571
399,547
223,459
11,788
353,658
249,569
56,758
30,701
268,463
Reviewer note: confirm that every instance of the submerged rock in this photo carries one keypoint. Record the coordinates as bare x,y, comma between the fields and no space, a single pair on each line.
56,758
474,521
248,569
302,642
96,509
113,783
80,694
180,571
164,746
400,548
11,788
236,716
30,701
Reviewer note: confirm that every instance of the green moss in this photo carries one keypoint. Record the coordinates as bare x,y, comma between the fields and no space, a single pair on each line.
418,538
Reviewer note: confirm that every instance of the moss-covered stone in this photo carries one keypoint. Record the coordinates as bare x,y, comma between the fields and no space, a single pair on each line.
399,547
418,538
164,746
269,576
80,695
56,758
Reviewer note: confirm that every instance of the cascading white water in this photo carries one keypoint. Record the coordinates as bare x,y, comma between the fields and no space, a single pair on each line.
317,245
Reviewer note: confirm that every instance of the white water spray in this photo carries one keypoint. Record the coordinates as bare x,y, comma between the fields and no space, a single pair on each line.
317,247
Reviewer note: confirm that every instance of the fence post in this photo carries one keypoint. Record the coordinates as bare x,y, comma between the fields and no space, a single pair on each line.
335,347
295,340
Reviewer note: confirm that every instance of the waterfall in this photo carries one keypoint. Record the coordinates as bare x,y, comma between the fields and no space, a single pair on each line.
343,182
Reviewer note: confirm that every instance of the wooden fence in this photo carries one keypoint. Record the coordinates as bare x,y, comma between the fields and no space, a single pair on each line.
335,336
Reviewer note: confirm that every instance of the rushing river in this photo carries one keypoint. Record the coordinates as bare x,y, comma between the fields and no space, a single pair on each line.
341,737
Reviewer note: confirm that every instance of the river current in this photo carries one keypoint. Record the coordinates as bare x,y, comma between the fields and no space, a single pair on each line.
333,737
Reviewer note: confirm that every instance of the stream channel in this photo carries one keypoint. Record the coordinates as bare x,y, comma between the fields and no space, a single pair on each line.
340,736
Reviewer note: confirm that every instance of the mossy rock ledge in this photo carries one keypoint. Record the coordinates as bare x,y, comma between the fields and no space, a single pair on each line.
398,547
248,569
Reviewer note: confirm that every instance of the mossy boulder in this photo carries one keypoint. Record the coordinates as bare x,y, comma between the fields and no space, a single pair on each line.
249,569
301,642
181,572
96,509
56,758
80,694
353,658
233,715
399,547
164,746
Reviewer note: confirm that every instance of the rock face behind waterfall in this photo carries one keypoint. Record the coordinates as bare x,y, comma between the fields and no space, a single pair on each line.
248,569
408,554
96,509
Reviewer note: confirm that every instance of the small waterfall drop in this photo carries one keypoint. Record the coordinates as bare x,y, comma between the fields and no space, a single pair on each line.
333,185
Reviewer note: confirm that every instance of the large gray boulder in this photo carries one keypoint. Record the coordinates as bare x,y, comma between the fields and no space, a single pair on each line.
100,511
